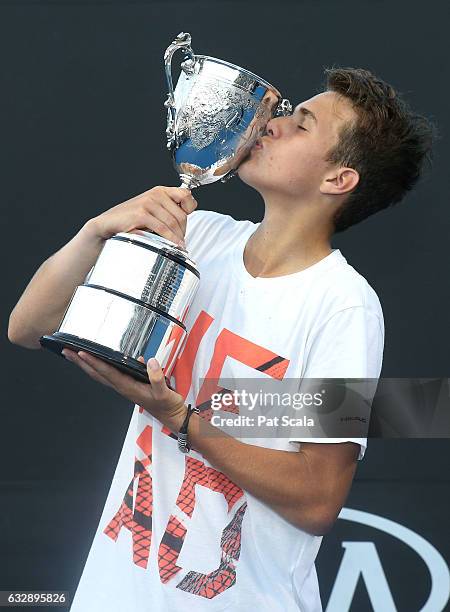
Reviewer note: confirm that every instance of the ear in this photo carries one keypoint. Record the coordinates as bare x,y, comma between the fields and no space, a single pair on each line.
339,181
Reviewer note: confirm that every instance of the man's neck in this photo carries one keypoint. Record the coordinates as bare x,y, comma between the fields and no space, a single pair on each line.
285,242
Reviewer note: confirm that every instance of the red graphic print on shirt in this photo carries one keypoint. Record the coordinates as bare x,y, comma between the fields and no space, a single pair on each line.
139,521
206,585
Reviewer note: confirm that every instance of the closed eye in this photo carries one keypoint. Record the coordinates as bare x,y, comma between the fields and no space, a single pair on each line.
302,128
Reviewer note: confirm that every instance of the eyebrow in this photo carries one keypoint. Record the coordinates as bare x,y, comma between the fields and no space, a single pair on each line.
307,113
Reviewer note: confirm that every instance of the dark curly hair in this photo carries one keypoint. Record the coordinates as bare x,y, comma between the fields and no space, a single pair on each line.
387,144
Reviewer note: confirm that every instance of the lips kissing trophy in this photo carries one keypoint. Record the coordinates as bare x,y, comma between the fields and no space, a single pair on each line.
135,299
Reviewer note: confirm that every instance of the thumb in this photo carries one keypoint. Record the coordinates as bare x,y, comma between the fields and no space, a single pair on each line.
157,379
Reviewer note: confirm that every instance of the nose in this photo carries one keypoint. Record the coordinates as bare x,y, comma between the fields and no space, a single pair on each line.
273,127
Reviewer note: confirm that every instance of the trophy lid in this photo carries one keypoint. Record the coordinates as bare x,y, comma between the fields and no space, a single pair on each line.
161,244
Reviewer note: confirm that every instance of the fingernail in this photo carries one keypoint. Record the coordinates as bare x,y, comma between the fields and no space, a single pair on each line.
153,364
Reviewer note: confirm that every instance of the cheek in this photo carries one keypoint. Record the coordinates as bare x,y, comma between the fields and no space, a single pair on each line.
295,164
284,165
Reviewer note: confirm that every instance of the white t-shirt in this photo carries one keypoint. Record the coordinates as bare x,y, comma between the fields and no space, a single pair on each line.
177,534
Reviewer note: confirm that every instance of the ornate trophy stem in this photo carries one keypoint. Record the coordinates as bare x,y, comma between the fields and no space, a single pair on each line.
188,182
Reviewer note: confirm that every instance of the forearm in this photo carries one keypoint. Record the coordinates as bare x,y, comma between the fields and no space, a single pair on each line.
282,479
43,303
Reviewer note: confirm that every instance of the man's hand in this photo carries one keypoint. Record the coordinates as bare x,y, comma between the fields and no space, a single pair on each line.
157,398
161,209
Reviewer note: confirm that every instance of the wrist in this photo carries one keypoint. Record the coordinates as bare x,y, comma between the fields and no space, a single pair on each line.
172,420
91,232
184,444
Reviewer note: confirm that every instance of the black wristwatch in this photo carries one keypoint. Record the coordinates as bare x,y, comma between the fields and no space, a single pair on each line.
183,443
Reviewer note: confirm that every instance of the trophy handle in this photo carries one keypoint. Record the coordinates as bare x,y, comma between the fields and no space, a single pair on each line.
182,41
284,108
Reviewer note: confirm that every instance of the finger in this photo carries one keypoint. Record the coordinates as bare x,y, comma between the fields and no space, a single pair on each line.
177,212
183,197
142,360
188,204
155,224
112,374
126,385
170,213
74,358
68,353
160,389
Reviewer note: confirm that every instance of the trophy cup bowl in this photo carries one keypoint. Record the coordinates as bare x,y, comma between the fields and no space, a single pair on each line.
135,299
215,114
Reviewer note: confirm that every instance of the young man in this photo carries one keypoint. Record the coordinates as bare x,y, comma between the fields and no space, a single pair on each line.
235,525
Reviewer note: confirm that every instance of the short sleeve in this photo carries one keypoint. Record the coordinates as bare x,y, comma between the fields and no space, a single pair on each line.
348,345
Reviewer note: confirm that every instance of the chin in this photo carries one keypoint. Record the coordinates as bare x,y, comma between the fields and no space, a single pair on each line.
249,173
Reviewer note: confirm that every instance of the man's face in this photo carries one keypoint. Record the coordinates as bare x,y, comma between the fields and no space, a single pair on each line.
289,160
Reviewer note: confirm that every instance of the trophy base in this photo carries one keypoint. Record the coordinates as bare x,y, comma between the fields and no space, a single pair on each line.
58,341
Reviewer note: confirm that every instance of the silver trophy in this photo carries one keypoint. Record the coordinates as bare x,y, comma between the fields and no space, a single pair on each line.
135,299
215,114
